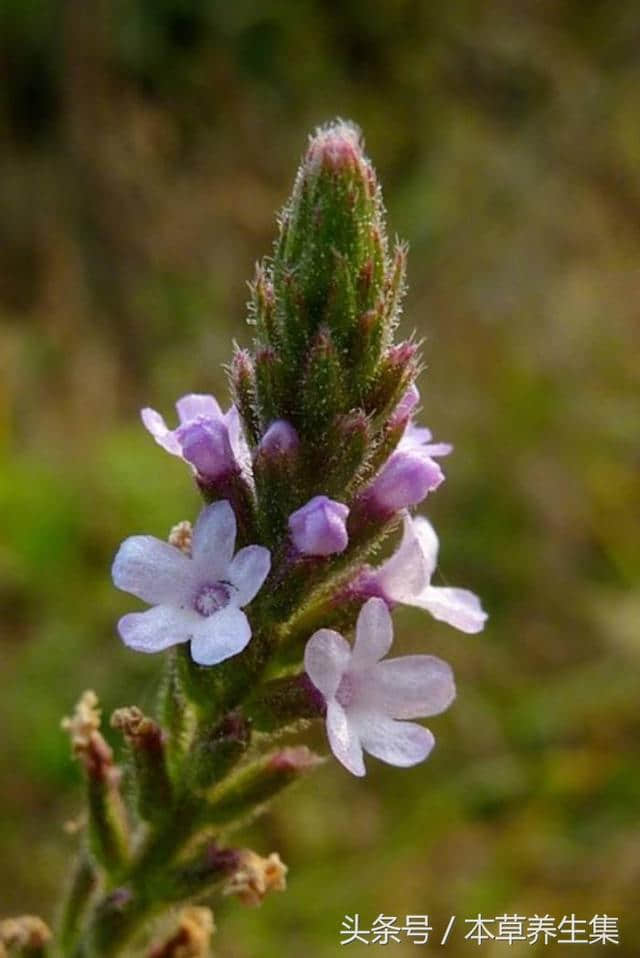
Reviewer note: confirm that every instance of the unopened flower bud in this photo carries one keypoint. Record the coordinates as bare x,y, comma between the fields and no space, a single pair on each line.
404,481
242,377
147,742
319,527
280,440
394,376
347,444
336,147
107,820
328,265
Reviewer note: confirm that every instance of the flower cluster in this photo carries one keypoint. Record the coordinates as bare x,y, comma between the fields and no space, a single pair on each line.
316,461
198,598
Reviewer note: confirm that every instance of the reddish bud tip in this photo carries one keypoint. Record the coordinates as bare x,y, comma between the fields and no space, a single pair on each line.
336,147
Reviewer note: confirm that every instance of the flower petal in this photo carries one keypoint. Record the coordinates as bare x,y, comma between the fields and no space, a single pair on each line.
239,445
221,635
197,404
416,435
406,478
374,634
428,541
458,607
205,444
437,449
418,438
248,570
326,658
398,743
410,687
152,570
408,572
156,629
344,743
156,425
214,536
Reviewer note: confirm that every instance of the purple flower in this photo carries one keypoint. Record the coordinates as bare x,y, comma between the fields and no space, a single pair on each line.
319,527
210,440
406,578
411,471
406,478
197,598
366,696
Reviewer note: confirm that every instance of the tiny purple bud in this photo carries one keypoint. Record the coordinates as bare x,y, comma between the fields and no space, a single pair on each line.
319,527
404,481
280,439
205,444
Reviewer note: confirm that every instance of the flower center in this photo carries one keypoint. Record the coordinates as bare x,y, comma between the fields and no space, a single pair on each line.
346,690
211,597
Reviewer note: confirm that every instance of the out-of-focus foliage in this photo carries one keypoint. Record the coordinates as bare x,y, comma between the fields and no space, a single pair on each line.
146,146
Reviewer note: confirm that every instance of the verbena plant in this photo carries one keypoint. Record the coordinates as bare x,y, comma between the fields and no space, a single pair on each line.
317,460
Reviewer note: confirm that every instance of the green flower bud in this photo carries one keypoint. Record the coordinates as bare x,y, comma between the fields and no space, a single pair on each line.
146,742
242,378
330,257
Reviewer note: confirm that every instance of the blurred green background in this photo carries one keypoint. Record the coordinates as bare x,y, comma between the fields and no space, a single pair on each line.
145,149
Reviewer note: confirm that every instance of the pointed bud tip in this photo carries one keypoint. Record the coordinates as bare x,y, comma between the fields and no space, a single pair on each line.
402,354
337,146
242,363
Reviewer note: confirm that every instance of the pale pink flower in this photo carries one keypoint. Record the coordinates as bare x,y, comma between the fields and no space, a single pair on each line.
406,578
197,598
368,698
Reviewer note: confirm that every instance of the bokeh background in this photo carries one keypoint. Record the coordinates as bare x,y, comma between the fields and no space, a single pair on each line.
146,147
